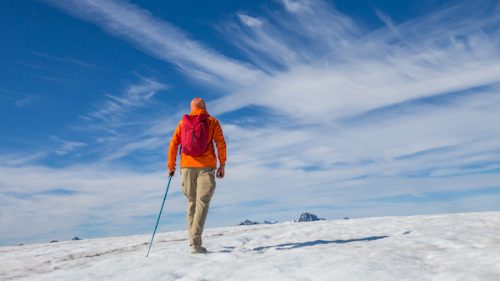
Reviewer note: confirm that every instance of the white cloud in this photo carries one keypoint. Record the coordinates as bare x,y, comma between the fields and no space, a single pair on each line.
250,21
19,99
65,146
113,127
134,96
26,101
65,60
13,159
97,194
294,5
162,40
331,68
139,144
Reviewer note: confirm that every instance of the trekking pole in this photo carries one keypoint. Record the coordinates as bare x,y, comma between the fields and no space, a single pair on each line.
159,215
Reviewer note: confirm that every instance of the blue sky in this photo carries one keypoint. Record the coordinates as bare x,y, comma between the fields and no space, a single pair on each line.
341,108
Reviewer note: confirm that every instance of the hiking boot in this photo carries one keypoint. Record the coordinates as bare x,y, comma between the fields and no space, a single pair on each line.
198,250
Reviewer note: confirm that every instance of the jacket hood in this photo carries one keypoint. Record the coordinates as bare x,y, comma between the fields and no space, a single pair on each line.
199,111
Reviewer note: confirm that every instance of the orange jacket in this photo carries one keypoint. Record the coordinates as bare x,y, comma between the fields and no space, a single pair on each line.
207,159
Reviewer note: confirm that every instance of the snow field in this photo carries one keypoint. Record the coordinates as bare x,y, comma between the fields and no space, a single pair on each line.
438,247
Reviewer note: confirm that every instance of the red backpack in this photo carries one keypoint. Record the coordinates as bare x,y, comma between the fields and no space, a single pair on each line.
194,134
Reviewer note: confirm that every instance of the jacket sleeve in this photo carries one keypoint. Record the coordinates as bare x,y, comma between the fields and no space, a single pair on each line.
174,147
220,142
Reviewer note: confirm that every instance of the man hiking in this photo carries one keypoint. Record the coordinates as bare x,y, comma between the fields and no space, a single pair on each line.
197,133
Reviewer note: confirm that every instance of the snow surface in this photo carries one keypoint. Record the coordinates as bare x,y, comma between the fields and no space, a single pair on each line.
438,247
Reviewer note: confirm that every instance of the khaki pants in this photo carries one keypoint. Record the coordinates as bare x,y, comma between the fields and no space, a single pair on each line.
198,185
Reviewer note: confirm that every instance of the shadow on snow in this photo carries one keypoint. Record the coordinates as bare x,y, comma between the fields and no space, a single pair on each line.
288,246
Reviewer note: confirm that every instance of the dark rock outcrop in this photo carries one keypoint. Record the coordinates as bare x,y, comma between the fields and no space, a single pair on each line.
308,217
248,222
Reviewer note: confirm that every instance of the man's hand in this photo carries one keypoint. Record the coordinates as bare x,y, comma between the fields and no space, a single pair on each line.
171,172
220,172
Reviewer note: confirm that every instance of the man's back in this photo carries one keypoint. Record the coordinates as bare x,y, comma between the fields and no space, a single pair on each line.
198,169
208,158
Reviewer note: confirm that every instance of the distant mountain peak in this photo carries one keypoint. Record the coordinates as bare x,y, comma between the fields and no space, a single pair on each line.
249,222
308,217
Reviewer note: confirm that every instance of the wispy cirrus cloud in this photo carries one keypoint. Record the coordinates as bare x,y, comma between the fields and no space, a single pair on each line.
326,61
162,40
52,73
116,123
19,160
330,67
65,147
64,60
19,99
26,101
134,96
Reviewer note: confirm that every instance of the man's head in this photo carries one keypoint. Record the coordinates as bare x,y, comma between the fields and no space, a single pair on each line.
198,103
